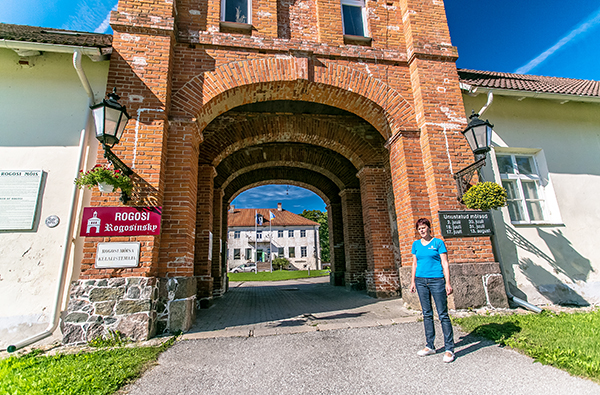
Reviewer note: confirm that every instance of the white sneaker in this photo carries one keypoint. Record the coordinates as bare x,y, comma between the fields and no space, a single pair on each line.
426,351
448,356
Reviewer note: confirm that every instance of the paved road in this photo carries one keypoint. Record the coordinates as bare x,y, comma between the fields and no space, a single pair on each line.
369,352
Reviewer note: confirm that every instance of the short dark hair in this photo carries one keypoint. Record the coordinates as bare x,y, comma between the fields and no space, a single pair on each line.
423,221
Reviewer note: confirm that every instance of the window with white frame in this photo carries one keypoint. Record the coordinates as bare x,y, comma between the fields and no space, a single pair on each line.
236,253
292,252
259,234
521,178
302,252
280,252
280,233
354,18
290,233
236,234
238,11
303,233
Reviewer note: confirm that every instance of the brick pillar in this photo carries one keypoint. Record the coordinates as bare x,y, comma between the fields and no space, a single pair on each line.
204,227
217,267
382,274
354,239
335,221
440,116
224,214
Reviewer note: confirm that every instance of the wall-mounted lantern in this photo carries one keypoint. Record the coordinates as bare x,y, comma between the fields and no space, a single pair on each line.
479,136
111,118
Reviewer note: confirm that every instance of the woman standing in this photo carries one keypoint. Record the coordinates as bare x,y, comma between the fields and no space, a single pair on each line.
431,278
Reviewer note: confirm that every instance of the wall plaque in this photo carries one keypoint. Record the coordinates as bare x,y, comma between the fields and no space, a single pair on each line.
19,193
120,221
466,223
117,255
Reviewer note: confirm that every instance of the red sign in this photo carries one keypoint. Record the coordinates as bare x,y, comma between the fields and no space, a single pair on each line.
120,221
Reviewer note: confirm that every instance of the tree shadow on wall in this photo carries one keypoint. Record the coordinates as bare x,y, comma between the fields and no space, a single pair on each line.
565,260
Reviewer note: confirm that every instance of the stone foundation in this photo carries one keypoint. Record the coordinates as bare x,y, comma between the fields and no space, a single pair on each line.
355,281
137,307
383,284
474,284
97,307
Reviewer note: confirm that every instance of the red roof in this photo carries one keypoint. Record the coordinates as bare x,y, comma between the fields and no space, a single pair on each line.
44,35
245,217
530,83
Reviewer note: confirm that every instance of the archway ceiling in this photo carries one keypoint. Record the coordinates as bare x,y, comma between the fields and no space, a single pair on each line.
257,177
292,121
335,167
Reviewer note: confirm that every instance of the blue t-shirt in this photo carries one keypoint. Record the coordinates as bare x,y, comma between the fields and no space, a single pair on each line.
429,262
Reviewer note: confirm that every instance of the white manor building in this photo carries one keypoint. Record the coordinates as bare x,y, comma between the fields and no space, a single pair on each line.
287,235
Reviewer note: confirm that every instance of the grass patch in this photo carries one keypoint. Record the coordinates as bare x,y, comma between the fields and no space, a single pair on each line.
277,275
567,341
98,372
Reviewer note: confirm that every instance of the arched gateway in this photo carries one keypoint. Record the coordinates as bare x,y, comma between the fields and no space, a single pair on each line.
371,125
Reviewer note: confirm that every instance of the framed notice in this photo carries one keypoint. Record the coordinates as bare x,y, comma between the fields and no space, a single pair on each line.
466,223
117,255
19,195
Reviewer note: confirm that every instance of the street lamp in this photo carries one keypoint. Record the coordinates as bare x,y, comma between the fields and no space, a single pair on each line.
479,136
111,118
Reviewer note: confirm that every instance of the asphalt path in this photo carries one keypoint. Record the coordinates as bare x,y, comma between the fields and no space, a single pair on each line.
366,360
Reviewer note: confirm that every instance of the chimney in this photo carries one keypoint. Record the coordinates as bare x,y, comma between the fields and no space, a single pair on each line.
231,208
279,207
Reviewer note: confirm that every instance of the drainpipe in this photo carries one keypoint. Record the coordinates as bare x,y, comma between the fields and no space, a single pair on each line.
53,324
490,99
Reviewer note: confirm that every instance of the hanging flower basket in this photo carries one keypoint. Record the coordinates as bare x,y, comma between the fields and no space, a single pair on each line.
105,178
484,196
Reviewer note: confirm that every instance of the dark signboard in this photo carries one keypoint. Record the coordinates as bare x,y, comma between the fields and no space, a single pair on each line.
466,223
120,221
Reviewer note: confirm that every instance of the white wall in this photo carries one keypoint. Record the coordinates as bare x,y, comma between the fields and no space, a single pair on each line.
556,262
43,110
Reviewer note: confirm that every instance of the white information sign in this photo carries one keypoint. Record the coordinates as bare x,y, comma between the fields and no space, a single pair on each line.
19,193
210,241
117,255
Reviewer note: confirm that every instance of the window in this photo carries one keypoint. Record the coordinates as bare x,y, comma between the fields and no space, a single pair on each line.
303,233
259,255
259,234
248,254
236,234
280,233
292,252
290,233
354,18
280,252
236,253
303,252
237,11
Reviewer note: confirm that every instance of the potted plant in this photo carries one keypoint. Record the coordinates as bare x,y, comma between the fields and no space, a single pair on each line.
105,178
484,196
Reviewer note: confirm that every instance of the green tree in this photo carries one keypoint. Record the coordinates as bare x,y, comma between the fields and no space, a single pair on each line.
320,217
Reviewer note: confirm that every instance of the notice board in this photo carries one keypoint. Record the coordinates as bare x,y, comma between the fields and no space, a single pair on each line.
19,195
466,223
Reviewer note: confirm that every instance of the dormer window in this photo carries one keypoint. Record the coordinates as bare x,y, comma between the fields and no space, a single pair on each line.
236,11
354,18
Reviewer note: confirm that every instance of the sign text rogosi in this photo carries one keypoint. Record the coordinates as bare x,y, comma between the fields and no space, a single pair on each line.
117,255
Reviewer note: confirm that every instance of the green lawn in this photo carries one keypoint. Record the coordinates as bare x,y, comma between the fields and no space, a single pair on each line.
567,341
277,275
98,372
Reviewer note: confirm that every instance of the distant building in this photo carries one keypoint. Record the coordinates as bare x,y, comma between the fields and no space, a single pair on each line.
287,235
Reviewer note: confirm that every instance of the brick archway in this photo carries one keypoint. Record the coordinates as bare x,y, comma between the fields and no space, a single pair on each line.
210,94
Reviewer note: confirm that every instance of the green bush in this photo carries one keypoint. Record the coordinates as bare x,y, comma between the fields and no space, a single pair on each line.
484,196
99,174
280,263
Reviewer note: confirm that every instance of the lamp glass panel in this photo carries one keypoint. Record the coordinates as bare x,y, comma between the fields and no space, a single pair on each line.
121,126
471,139
99,120
111,121
480,132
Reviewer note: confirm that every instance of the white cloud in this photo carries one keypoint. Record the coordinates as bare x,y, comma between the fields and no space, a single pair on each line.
89,15
578,32
105,25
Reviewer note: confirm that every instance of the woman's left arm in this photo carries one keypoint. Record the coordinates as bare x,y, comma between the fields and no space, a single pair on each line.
446,269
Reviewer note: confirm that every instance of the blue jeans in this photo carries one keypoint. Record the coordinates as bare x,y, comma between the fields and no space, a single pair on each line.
436,287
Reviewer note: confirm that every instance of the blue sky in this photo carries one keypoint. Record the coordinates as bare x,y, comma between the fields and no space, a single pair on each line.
541,37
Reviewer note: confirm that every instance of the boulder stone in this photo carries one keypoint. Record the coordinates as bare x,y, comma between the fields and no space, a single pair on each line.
104,308
102,294
72,334
135,326
133,293
132,306
186,287
94,331
76,317
181,314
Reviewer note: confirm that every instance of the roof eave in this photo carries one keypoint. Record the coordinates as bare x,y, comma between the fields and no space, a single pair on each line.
94,53
475,90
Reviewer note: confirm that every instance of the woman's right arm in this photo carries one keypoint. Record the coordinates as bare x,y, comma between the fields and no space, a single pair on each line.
413,287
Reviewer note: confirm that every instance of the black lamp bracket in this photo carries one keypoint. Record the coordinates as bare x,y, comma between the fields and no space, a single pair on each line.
118,164
463,177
